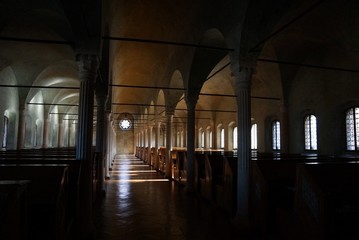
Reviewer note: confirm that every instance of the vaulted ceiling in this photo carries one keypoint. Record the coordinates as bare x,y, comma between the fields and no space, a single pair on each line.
171,48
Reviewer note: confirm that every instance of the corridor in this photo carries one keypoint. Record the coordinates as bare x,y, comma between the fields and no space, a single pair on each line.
141,204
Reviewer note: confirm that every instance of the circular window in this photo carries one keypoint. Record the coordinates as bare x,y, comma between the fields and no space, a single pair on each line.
125,124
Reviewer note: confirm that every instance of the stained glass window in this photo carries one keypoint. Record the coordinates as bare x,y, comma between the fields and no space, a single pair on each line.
352,126
125,124
254,136
202,138
310,132
276,135
222,138
235,138
5,131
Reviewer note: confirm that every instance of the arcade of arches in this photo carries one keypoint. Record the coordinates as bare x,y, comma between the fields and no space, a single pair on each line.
237,75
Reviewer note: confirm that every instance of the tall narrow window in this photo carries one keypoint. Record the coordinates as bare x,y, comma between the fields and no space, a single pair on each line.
210,139
222,138
5,131
235,138
276,135
254,136
201,138
352,128
310,132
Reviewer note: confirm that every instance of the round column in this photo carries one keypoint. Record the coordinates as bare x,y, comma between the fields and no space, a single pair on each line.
100,133
60,140
88,65
45,134
191,115
21,128
242,82
169,122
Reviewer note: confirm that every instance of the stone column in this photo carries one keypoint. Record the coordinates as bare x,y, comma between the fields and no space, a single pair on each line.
108,145
242,83
69,128
191,102
184,137
45,134
21,129
157,140
175,136
284,129
226,137
150,128
88,65
60,132
169,122
101,97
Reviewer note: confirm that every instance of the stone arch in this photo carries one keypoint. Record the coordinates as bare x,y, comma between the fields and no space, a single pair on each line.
160,109
174,94
230,141
9,105
204,60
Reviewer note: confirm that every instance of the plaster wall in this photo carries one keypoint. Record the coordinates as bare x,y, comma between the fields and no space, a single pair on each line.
9,106
328,97
125,142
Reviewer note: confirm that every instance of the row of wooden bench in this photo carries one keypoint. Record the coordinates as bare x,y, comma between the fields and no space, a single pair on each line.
39,194
293,195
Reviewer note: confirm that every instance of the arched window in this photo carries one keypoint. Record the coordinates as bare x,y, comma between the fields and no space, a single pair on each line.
235,138
222,138
201,138
276,135
5,131
310,132
210,139
352,128
254,136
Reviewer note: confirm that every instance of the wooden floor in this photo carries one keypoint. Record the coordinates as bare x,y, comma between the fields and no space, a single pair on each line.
141,204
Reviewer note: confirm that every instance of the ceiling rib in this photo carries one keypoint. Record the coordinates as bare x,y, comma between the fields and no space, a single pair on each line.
139,40
146,87
31,40
55,104
47,87
308,65
286,25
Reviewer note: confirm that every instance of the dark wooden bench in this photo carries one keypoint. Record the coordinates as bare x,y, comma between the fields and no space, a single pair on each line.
161,159
179,165
13,209
204,176
47,197
273,186
217,166
227,192
327,201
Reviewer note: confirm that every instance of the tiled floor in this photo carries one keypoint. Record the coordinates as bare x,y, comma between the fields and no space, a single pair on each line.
141,204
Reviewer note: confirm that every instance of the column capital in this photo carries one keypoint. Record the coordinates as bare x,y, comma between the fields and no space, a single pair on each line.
158,123
88,65
170,110
244,65
191,101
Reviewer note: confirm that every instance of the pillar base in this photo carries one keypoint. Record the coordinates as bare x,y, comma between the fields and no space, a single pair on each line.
243,225
101,193
88,232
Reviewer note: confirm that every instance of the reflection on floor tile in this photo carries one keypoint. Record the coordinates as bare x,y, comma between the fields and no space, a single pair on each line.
141,204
